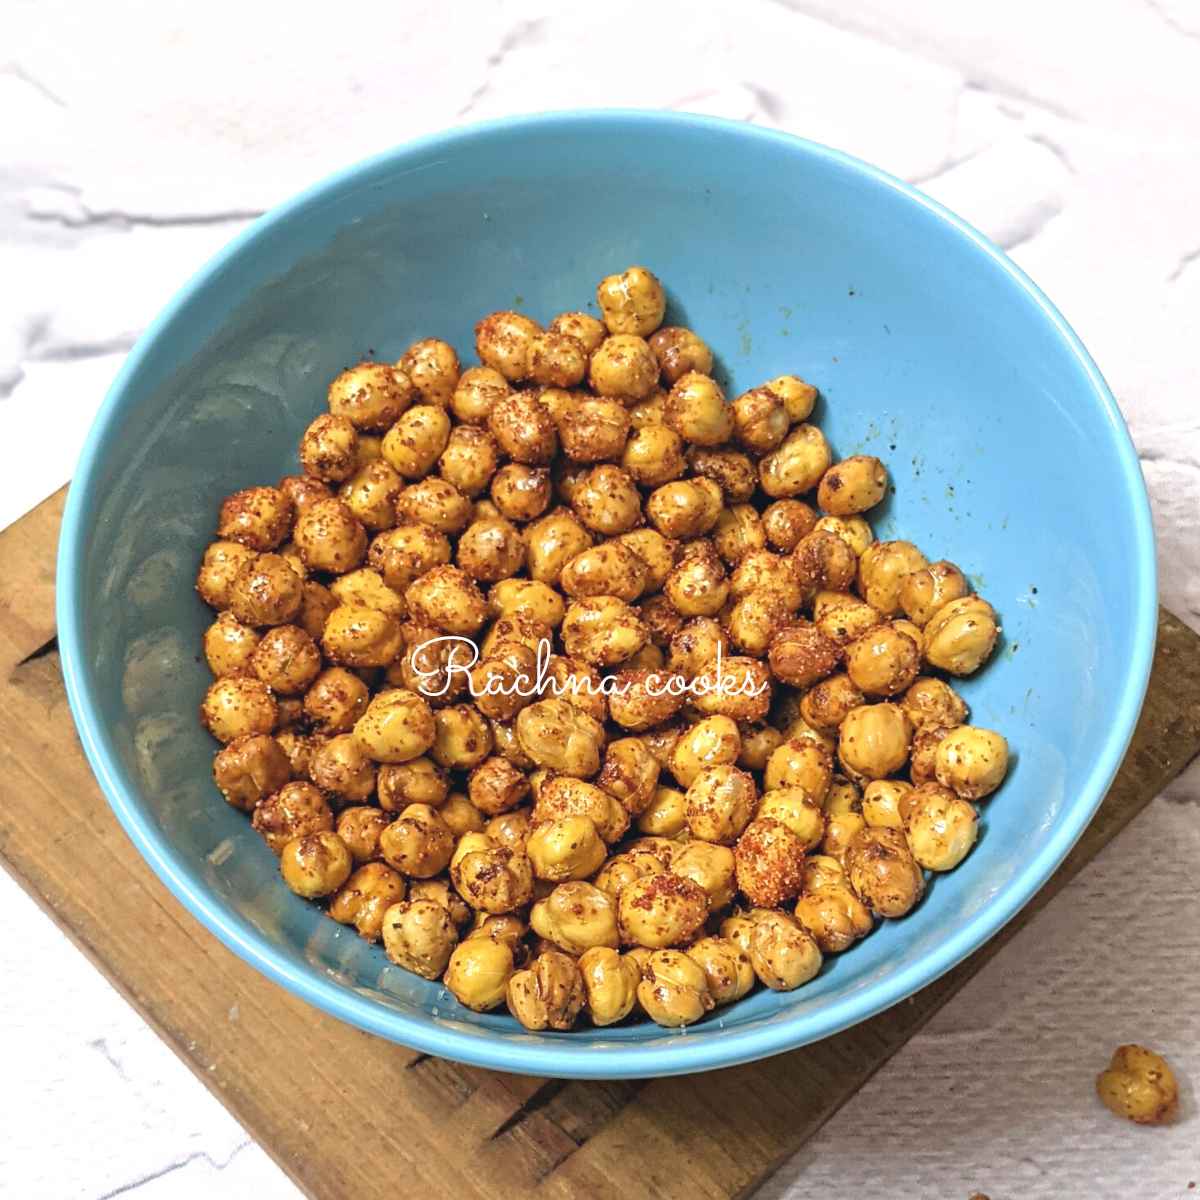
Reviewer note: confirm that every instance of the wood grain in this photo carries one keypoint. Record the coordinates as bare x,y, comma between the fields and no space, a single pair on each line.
348,1115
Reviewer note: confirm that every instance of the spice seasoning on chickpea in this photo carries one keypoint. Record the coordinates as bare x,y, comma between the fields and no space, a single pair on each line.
566,643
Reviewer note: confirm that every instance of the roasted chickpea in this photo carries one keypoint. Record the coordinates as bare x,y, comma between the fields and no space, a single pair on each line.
342,767
854,531
940,827
357,636
564,849
477,389
842,617
256,517
759,742
631,302
642,700
496,786
961,636
448,598
827,704
336,699
303,490
366,588
294,811
799,398
801,655
785,522
397,726
582,326
576,916
403,554
685,508
365,897
726,966
503,341
679,351
610,569
432,367
418,842
462,737
607,501
315,865
822,561
490,877
760,420
1140,1086
651,411
630,774
371,494
784,955
739,688
881,869
852,486
440,892
797,465
610,981
800,762
833,916
510,829
548,994
557,734
529,598
359,827
623,366
720,802
882,569
654,456
874,740
329,448
883,803
524,428
666,814
249,769
479,971
330,537
712,742
552,542
564,796
928,589
222,562
883,661
416,441
229,646
769,858
674,989
419,935
238,706
371,396
709,865
461,816
972,761
922,755
266,591
697,410
435,503
603,630
738,532
656,552
660,911
593,430
931,702
286,659
697,585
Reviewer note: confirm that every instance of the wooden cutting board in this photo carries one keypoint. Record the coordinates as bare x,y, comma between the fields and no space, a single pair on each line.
348,1115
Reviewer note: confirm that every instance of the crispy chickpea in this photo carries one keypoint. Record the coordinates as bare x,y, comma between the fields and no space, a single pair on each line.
731,470
490,877
557,734
286,659
371,494
479,971
922,755
360,827
760,420
435,503
366,588
961,636
842,617
336,699
577,683
440,892
303,490
470,460
695,646
631,302
371,395
593,430
565,848
697,410
610,981
712,742
641,700
316,604
448,598
510,829
883,803
740,688
822,561
738,532
294,811
972,761
759,742
709,865
827,704
610,569
795,808
586,329
238,706
726,966
462,737
925,591
666,814
419,935
565,796
797,465
679,351
222,562
528,598
524,429
418,843
491,550
882,871
256,517
461,816
684,508
874,740
403,554
557,359
477,389
357,636
266,591
799,398
784,955
330,537
656,551
800,762
229,646
416,441
432,367
607,501
833,916
342,767
315,865
576,916
931,702
623,366
785,522
603,630
854,531
365,897
249,769
329,448
654,456
660,911
882,569
769,857
697,585
397,726
940,827
720,802
496,786
883,661
629,774
762,571
548,994
1140,1086
852,486
552,542
801,655
674,989
503,341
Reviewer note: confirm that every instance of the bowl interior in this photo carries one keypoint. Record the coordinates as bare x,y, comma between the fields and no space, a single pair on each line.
929,351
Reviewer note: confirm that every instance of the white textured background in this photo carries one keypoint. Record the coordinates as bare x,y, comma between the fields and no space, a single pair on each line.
135,139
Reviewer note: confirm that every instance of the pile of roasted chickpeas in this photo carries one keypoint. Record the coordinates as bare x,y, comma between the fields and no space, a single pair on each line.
745,749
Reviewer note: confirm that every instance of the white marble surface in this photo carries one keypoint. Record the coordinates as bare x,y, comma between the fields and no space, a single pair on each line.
136,138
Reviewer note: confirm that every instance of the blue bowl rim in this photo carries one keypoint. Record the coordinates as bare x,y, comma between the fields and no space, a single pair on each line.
569,1059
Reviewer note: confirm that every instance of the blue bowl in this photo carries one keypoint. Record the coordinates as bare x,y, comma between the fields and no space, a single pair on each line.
930,348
